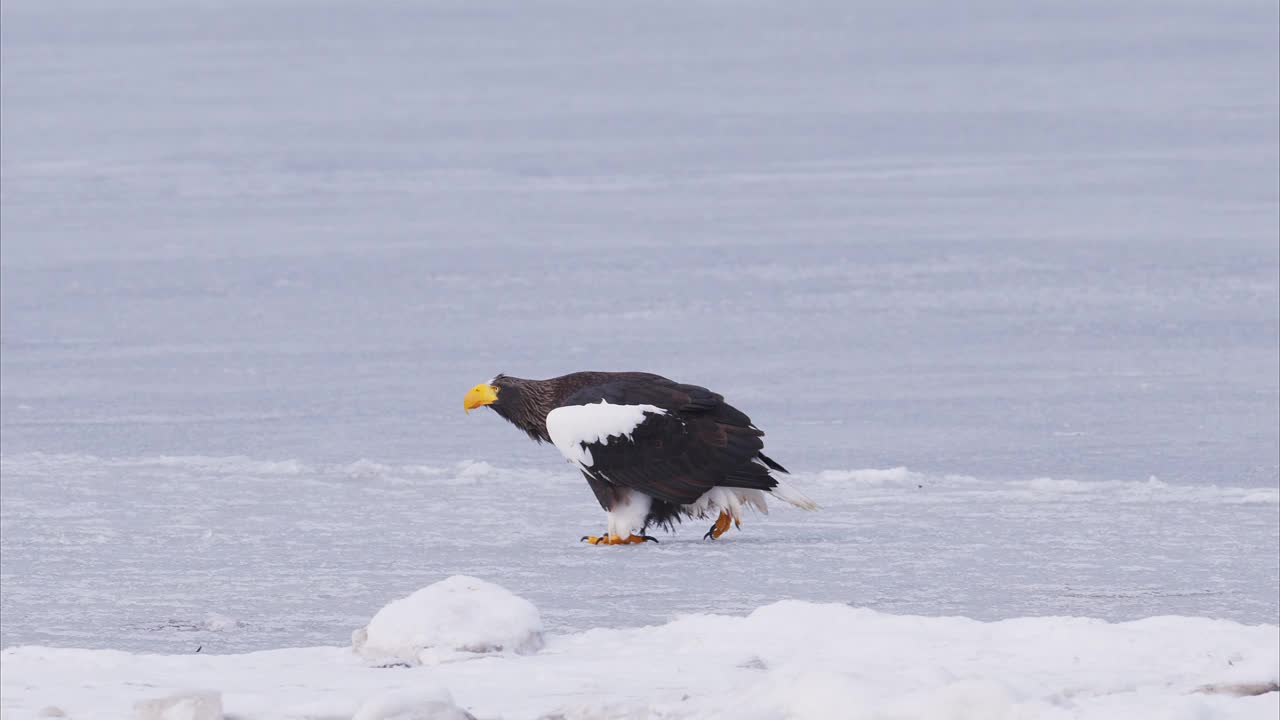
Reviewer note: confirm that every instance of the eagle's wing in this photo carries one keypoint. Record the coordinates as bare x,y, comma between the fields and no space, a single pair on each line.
670,441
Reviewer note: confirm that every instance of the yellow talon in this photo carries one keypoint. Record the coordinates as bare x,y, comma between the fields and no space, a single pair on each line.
721,527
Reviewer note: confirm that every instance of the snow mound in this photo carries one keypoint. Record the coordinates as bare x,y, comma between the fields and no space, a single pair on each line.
190,705
872,476
217,622
418,703
458,615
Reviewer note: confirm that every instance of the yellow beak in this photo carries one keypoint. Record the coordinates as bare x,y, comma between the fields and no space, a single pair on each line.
482,394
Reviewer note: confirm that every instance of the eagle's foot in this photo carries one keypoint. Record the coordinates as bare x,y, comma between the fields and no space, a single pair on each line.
611,539
721,527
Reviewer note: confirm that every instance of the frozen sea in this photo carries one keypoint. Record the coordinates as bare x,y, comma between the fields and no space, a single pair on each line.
1001,282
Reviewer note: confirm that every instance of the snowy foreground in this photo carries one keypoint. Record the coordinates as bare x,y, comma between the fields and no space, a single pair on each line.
467,646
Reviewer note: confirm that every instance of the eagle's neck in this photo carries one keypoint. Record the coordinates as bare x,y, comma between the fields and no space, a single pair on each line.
525,404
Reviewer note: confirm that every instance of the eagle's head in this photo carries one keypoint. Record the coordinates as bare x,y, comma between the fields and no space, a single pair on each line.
487,393
523,403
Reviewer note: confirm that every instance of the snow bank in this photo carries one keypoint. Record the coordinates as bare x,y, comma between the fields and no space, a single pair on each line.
191,705
417,703
792,660
1043,489
460,614
872,476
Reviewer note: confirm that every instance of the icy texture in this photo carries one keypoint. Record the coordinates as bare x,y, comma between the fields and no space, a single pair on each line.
791,660
457,614
1004,240
301,553
254,253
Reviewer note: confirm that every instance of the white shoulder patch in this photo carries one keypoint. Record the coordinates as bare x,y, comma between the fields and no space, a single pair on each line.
572,426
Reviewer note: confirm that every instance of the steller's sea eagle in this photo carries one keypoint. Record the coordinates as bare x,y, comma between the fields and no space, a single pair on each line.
653,450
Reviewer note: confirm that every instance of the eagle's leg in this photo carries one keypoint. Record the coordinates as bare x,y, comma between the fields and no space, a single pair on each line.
627,510
721,527
610,539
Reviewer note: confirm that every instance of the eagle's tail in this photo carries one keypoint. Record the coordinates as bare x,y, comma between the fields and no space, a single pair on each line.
791,495
781,490
771,463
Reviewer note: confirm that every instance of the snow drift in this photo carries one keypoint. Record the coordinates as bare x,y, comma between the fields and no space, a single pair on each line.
789,659
458,615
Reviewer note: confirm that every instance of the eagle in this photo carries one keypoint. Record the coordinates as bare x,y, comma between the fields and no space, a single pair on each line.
654,451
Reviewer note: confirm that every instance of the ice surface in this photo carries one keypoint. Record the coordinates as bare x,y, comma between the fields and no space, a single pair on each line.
300,553
786,660
997,240
459,614
254,253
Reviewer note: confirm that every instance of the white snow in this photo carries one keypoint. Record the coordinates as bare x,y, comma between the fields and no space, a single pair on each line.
418,702
459,614
572,426
184,705
872,476
217,622
790,659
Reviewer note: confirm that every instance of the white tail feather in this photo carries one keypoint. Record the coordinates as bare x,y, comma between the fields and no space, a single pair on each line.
793,496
